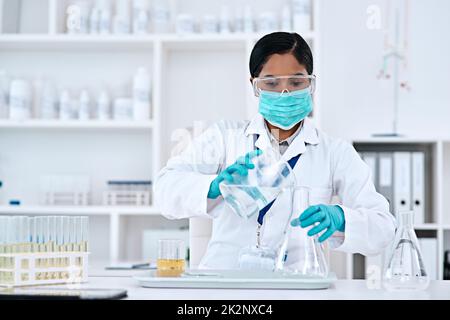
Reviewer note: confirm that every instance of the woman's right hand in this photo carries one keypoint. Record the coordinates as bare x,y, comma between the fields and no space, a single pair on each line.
241,166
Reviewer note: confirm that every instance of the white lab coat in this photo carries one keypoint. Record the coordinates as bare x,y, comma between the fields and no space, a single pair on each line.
331,167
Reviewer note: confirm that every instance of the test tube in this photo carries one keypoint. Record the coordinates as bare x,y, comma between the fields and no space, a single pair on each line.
59,247
67,247
2,247
51,244
39,244
84,233
73,233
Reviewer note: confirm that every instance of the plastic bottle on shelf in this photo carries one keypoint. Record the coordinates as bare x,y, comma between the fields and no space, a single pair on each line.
84,106
301,15
4,85
65,105
105,16
161,16
20,97
286,18
77,20
121,21
49,102
103,106
140,16
141,94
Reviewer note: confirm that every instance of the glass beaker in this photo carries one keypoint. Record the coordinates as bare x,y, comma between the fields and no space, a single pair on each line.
405,269
247,195
171,258
300,254
257,258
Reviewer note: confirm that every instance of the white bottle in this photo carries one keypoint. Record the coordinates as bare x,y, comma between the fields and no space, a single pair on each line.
105,17
84,106
140,16
49,102
161,16
4,87
141,94
121,22
94,21
20,100
301,15
286,18
65,105
103,106
248,20
77,17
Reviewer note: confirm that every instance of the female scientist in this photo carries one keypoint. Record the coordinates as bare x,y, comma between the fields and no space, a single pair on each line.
281,69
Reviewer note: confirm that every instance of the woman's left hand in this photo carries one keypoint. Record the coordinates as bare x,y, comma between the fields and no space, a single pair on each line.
328,217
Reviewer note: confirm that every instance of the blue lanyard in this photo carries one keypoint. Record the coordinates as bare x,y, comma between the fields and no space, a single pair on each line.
292,162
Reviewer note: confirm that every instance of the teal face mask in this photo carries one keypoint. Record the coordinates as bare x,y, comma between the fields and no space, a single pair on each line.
285,110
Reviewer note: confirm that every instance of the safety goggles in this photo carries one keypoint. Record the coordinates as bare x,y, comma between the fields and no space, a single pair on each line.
284,84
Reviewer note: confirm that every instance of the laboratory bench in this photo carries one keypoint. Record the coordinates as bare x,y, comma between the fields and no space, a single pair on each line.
340,290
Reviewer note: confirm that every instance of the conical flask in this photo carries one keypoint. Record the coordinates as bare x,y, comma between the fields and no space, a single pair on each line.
405,269
299,253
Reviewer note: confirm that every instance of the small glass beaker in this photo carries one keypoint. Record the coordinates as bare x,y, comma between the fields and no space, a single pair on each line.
405,269
300,254
247,195
171,258
257,258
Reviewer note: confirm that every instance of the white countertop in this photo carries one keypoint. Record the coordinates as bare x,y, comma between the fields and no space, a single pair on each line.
340,290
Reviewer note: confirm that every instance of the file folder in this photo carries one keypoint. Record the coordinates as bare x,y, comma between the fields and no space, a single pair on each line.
418,187
385,178
402,181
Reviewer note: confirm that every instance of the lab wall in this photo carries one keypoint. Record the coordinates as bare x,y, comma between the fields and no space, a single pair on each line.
354,102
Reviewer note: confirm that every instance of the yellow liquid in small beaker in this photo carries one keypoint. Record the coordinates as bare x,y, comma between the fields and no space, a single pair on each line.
169,267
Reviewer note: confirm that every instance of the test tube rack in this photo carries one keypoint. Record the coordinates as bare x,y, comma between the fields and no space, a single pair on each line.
126,198
25,269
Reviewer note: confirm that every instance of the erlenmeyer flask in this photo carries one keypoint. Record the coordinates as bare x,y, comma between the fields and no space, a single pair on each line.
405,269
299,253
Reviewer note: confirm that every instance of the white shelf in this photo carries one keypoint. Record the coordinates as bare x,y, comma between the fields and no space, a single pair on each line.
76,124
426,226
126,42
78,210
395,140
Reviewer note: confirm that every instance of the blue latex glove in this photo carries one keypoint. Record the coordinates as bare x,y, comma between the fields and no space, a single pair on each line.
241,166
329,217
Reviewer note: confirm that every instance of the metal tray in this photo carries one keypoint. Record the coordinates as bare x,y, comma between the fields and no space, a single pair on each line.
235,279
